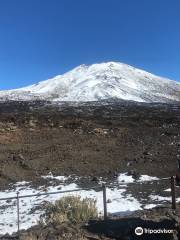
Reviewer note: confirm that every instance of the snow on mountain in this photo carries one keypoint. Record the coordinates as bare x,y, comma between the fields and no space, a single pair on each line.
100,81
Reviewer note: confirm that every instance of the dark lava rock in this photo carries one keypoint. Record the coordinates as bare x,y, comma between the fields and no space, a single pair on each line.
134,174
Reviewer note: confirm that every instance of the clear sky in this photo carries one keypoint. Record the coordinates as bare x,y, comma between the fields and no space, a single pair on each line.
43,38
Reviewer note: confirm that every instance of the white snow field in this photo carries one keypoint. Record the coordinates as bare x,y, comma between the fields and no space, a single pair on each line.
100,81
118,200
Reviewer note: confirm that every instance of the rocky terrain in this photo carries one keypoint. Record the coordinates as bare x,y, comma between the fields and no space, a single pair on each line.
87,140
92,141
113,228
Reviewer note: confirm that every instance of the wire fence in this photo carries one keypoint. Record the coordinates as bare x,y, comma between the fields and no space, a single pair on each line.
18,197
102,188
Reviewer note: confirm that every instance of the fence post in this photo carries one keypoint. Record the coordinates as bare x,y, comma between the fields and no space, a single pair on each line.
104,201
18,218
173,193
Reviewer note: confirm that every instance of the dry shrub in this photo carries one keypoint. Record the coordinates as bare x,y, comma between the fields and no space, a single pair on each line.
71,209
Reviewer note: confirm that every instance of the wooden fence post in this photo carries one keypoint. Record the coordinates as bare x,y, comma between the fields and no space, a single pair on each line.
104,201
173,193
18,218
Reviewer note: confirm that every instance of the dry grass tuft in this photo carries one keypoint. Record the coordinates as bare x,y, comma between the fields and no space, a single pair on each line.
71,209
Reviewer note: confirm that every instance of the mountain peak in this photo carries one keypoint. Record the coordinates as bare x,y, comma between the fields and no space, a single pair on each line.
101,81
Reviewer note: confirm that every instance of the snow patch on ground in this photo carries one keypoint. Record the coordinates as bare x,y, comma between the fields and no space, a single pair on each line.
125,178
8,209
146,178
119,201
162,199
167,190
60,178
150,206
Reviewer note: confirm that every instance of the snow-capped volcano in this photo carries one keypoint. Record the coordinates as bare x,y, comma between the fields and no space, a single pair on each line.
100,81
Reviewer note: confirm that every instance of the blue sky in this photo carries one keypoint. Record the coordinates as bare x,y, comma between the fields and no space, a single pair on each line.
43,38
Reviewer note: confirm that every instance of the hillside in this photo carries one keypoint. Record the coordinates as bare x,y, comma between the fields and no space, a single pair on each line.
100,81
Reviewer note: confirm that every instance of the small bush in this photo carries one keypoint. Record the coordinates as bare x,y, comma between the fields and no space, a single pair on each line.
71,209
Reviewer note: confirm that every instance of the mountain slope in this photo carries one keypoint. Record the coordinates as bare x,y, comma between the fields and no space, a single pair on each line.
100,81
